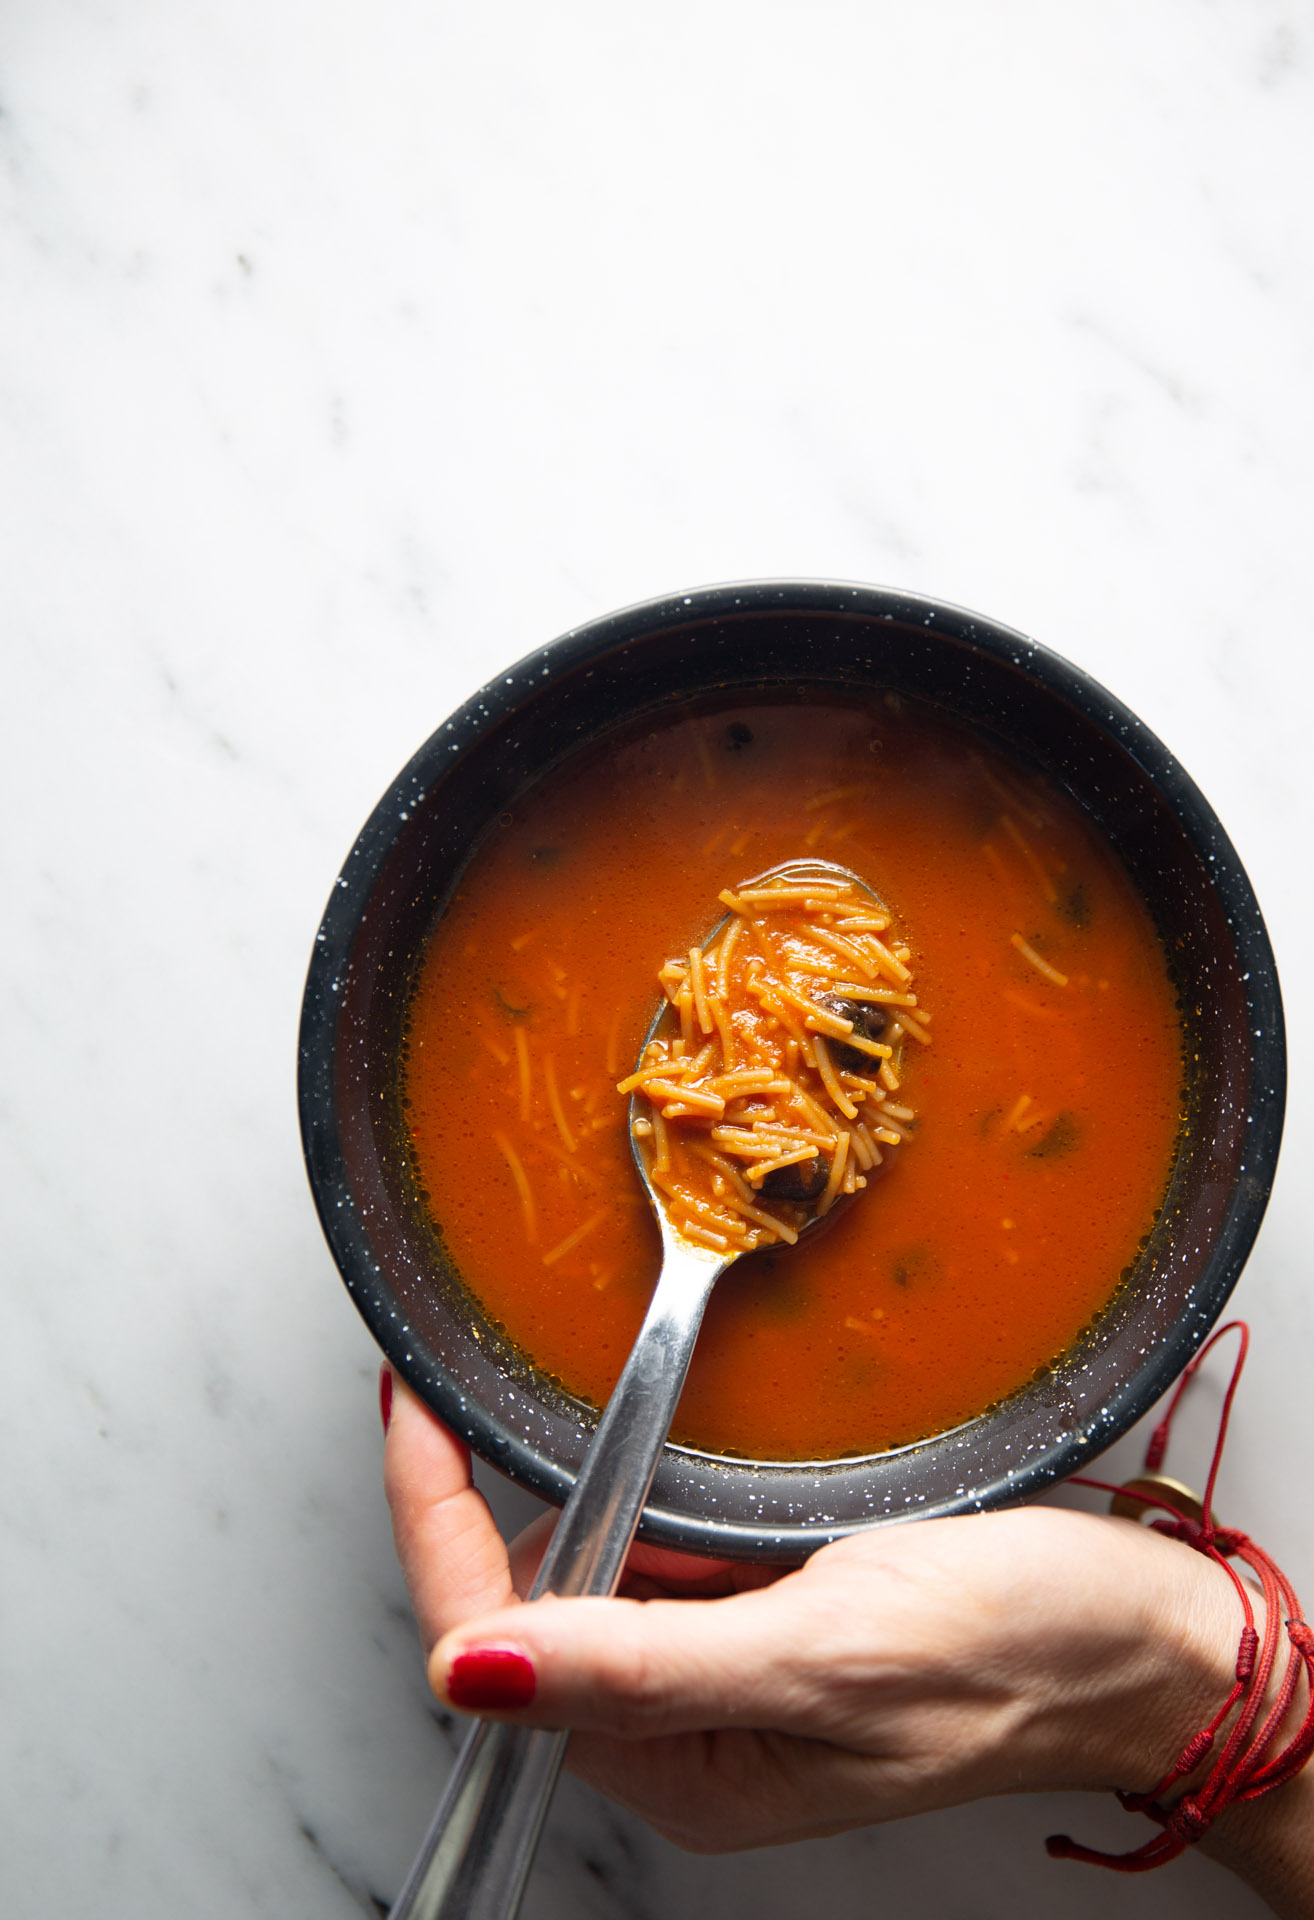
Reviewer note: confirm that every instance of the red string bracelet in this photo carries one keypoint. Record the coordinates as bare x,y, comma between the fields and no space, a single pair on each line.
1240,1771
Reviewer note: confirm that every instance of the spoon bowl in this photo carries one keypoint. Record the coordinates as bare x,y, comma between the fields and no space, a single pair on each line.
798,871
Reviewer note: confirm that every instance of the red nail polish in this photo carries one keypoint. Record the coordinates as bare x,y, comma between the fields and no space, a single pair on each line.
385,1394
491,1680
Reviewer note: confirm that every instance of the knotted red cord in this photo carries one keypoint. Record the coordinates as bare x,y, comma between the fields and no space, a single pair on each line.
1240,1772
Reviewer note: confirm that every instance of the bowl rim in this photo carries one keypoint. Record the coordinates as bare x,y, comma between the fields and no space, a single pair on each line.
496,702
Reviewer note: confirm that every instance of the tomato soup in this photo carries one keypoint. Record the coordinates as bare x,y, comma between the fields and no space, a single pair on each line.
1047,1101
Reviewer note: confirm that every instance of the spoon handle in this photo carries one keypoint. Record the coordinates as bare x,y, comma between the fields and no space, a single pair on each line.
477,1854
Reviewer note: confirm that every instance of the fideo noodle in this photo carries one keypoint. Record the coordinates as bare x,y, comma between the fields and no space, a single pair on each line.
766,1100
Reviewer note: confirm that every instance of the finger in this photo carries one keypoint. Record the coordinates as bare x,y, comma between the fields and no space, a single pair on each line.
638,1669
819,1652
451,1553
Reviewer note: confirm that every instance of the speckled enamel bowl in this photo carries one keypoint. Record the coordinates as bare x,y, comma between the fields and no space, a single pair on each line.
759,635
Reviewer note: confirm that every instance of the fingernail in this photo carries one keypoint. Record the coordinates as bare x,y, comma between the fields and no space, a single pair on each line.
385,1394
491,1680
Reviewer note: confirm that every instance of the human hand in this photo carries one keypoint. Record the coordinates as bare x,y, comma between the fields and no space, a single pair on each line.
898,1670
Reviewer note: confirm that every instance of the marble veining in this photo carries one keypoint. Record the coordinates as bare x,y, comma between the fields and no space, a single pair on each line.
348,356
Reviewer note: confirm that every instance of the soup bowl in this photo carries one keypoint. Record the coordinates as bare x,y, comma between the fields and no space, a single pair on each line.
815,638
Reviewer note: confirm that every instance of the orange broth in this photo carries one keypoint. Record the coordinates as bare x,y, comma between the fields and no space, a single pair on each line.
1047,1112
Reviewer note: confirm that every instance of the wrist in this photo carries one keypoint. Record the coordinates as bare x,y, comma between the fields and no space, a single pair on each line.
1193,1632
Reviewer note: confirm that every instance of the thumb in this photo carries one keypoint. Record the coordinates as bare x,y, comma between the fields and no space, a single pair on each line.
636,1669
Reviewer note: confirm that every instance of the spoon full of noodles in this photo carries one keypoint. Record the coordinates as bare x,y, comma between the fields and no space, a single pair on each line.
759,1098
761,1102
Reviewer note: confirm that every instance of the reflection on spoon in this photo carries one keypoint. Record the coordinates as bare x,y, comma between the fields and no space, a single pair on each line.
760,1063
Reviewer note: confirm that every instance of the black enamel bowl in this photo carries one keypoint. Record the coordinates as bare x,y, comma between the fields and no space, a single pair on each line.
811,636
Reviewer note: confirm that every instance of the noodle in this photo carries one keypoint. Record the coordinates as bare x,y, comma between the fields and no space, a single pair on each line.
684,1006
1031,857
522,1068
613,1045
830,1080
698,981
573,1239
554,1103
1041,965
522,1185
833,794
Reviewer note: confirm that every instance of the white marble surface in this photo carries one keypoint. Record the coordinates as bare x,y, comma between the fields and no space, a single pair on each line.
347,354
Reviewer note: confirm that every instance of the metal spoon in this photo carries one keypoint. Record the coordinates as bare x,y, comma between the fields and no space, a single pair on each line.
476,1856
